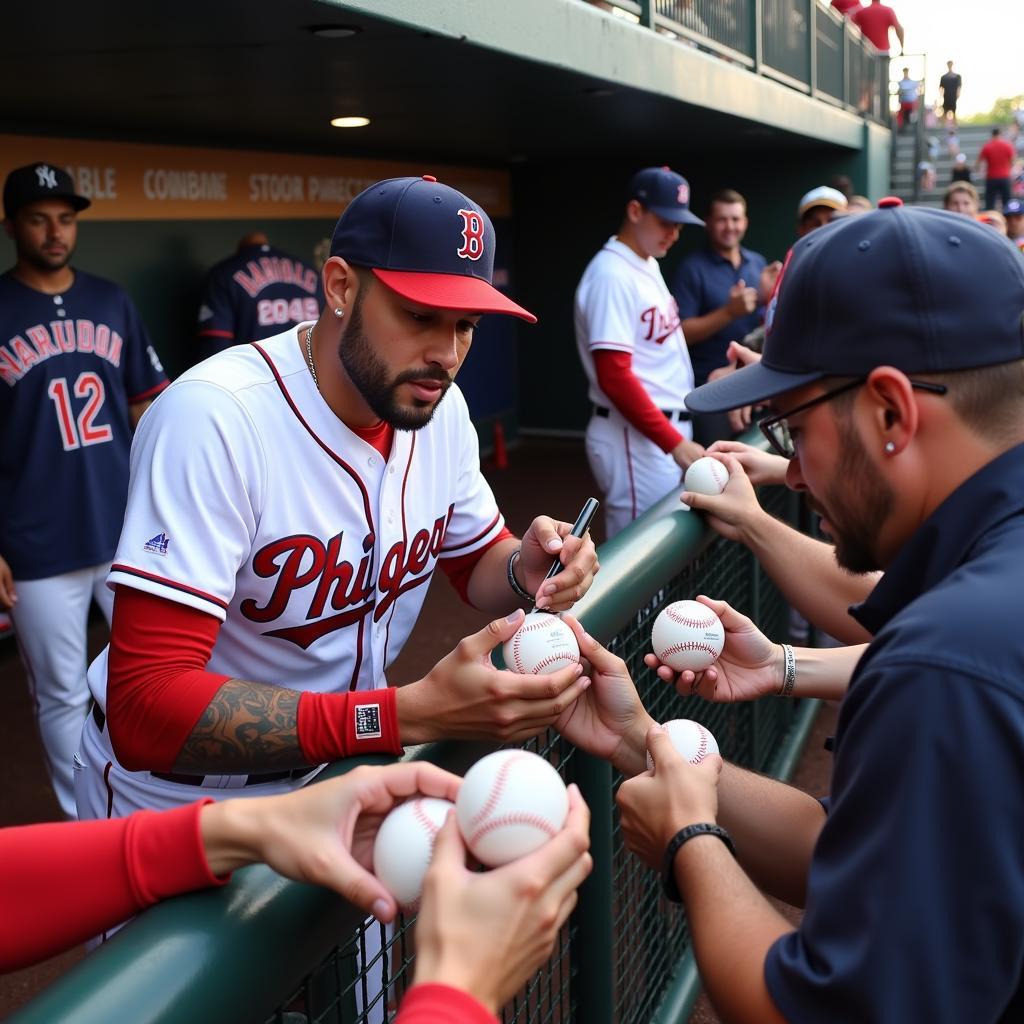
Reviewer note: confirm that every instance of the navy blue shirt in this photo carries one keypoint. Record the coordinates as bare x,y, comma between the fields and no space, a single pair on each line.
915,900
70,367
701,285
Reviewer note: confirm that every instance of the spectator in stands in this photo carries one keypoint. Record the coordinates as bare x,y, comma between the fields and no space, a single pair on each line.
846,7
721,291
908,89
949,85
994,219
962,197
997,155
818,207
926,176
859,204
842,183
875,21
961,168
1014,213
953,143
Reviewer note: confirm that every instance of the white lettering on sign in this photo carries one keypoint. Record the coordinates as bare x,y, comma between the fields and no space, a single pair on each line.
95,182
164,184
340,190
276,188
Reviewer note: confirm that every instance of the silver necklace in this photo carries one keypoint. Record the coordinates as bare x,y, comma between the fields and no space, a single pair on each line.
309,355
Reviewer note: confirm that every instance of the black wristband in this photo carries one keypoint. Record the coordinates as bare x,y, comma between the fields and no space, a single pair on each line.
519,591
668,878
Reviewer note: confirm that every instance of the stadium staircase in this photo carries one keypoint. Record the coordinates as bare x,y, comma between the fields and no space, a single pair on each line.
972,138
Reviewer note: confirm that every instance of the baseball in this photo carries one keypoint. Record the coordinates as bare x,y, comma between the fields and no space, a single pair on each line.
690,738
543,643
510,803
706,476
405,845
687,635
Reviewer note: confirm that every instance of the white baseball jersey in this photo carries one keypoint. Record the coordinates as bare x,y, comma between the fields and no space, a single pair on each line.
251,501
622,303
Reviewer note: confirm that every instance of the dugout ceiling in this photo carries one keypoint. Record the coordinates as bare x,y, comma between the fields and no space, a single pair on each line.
530,86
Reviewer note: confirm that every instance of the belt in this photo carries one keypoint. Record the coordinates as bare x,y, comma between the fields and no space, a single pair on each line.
680,415
200,780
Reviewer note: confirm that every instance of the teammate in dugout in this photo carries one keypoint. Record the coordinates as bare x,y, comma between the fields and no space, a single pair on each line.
289,501
257,292
77,370
631,345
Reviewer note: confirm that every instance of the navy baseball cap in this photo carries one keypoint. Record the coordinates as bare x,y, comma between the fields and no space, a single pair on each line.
663,192
37,182
922,290
426,241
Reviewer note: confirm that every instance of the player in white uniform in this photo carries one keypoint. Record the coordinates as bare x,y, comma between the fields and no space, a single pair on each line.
289,500
631,344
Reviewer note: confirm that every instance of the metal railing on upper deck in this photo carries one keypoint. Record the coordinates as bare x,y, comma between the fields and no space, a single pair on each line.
800,43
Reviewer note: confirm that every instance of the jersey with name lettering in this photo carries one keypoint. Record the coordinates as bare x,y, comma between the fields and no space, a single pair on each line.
70,366
623,303
250,500
258,292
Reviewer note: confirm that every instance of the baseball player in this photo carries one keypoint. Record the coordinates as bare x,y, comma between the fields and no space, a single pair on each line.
257,292
631,344
289,501
76,372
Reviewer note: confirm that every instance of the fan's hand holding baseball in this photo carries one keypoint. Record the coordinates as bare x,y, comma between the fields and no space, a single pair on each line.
655,805
324,832
465,697
735,512
487,933
609,720
8,597
545,540
760,466
750,665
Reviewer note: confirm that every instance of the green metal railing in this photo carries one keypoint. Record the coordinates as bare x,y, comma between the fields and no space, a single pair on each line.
800,43
266,949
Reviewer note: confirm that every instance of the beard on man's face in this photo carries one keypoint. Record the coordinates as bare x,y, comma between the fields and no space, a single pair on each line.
371,376
856,504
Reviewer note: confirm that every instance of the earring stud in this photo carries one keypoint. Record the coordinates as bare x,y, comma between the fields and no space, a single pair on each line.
890,447
339,312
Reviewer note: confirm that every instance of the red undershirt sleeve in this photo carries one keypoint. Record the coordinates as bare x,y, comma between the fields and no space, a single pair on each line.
459,569
441,1004
63,883
158,687
616,379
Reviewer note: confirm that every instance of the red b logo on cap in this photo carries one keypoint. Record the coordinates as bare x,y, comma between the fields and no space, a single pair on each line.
683,194
472,235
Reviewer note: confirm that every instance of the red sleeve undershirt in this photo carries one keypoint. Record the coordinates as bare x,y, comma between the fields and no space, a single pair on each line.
441,1004
616,379
63,883
158,687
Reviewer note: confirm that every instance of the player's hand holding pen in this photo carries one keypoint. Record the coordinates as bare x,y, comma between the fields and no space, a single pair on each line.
559,584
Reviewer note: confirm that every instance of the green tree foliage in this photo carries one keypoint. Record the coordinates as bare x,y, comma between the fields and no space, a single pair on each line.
1001,112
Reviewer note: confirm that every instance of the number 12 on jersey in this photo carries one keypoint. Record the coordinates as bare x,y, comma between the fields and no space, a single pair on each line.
83,431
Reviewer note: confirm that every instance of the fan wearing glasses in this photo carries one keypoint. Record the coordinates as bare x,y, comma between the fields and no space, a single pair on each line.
902,419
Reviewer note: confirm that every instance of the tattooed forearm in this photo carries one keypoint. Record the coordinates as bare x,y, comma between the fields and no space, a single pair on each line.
247,728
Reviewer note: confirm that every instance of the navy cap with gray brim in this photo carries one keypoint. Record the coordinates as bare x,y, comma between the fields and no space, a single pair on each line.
918,289
428,242
664,193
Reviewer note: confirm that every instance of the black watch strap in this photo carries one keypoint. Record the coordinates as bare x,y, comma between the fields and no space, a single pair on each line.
668,878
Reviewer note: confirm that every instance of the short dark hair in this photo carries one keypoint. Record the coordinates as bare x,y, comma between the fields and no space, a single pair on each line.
726,195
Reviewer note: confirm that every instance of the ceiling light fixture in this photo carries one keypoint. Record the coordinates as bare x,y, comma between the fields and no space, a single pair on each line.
350,122
334,31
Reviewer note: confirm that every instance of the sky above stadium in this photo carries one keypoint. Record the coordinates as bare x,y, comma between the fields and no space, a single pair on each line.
981,39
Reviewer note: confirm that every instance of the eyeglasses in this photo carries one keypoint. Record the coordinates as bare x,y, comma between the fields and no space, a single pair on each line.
776,428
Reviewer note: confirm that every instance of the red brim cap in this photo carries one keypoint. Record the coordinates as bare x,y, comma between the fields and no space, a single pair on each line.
451,291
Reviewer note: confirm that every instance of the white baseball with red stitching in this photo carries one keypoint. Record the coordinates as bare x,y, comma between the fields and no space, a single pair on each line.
510,803
705,476
687,635
404,847
542,644
693,740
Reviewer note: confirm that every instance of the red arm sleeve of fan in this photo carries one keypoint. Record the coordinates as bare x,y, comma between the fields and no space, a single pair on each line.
441,1004
616,379
63,883
158,687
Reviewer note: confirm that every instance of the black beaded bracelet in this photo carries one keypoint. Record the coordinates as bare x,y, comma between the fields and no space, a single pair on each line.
513,582
668,878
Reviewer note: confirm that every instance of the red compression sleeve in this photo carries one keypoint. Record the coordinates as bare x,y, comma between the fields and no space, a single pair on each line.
63,883
616,379
157,683
458,570
334,725
441,1004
